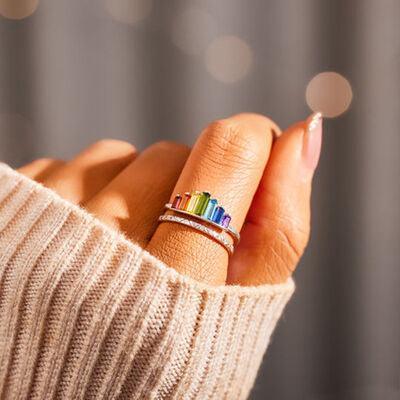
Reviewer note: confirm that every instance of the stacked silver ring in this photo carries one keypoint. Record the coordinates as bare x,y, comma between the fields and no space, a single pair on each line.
195,213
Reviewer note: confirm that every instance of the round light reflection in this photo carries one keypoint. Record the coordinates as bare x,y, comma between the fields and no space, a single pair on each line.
329,93
228,59
18,9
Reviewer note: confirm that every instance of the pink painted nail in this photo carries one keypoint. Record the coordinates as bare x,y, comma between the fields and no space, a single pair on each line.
312,141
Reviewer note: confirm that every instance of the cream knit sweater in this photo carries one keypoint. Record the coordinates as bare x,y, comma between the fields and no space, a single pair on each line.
87,314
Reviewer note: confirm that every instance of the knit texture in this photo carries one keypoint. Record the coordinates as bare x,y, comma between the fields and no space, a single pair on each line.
87,314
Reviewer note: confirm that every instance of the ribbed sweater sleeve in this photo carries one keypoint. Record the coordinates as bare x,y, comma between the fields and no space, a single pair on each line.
87,314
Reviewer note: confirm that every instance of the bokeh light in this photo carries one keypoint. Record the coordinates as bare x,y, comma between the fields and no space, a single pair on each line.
228,59
129,11
329,93
18,9
192,30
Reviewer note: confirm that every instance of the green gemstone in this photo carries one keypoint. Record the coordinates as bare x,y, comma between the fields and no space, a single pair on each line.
202,203
193,202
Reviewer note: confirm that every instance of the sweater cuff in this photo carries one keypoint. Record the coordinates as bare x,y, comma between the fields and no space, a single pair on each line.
85,313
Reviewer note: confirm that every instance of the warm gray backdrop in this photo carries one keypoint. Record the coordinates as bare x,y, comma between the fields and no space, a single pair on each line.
79,70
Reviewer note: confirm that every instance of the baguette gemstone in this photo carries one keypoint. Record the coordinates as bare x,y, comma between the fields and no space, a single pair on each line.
177,201
193,202
208,212
202,203
185,201
218,214
226,219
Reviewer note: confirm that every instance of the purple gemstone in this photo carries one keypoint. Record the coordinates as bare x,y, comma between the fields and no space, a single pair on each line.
226,219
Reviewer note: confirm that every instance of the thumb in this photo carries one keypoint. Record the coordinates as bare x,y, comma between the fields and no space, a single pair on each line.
277,227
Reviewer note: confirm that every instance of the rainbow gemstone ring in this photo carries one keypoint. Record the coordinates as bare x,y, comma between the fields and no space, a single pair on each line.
201,206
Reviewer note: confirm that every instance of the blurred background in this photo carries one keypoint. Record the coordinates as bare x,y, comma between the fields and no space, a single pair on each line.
75,71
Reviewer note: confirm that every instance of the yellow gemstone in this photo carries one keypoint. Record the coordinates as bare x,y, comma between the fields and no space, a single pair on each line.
191,206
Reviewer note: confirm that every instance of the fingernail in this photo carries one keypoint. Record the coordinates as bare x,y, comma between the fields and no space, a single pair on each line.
312,141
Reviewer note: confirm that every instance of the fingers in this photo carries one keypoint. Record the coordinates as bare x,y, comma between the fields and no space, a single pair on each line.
81,178
228,161
277,227
41,169
133,201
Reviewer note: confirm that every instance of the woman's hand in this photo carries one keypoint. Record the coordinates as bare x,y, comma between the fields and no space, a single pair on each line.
261,176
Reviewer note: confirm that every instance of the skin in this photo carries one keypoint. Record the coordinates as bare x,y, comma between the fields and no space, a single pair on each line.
262,176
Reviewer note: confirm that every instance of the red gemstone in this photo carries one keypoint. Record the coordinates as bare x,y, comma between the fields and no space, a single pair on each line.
177,201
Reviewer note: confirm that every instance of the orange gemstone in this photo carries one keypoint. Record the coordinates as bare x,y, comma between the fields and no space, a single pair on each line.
185,201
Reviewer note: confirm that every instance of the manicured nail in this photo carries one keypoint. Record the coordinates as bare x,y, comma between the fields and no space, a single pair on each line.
312,141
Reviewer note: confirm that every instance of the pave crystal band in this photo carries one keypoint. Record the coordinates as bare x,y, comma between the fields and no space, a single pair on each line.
219,237
230,230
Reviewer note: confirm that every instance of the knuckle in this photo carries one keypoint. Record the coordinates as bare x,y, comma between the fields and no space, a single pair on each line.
46,161
114,145
265,120
230,141
170,146
269,124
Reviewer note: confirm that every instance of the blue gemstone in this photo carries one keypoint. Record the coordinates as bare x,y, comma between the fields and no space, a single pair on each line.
218,214
210,208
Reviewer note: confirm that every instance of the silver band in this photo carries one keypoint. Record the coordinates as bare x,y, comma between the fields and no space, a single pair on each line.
230,230
219,237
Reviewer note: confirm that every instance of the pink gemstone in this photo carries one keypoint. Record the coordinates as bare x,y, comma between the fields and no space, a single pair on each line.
226,219
177,201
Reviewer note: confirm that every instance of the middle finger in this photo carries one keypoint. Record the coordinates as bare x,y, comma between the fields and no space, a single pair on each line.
133,200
